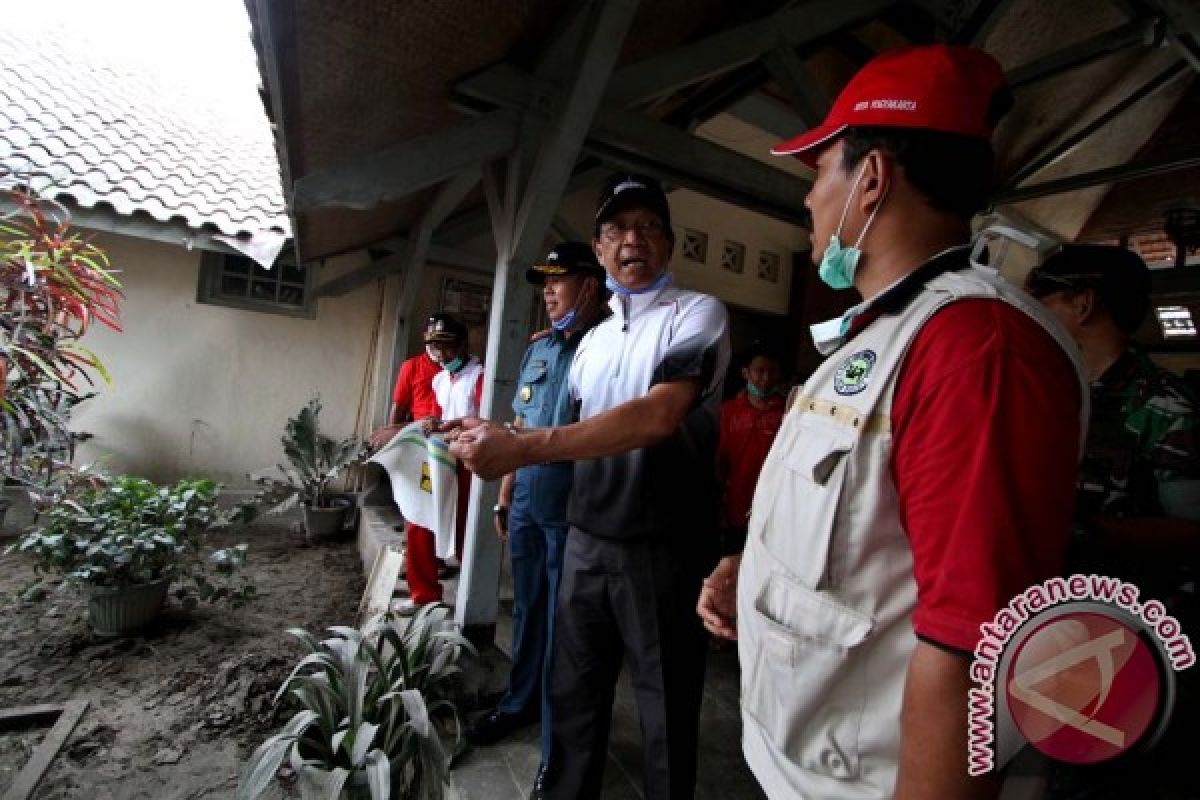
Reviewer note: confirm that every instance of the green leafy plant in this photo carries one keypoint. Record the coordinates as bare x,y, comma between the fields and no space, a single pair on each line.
315,459
373,705
54,283
124,531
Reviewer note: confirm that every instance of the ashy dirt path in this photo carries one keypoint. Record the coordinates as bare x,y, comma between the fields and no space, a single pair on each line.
175,709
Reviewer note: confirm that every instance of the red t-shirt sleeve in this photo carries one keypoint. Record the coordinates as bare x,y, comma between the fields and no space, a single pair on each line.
986,442
402,394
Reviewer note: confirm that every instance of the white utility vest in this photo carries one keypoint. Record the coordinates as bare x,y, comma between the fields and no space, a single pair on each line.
456,393
826,589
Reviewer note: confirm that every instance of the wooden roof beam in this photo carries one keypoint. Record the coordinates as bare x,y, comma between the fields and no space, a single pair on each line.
1183,27
670,71
406,167
618,137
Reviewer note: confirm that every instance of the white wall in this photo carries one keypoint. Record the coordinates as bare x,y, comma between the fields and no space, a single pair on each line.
202,390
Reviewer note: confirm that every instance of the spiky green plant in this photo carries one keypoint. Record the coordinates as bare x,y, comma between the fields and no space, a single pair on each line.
372,703
315,459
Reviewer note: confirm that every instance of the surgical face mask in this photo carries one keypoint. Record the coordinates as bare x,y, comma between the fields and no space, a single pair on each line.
839,264
662,280
454,365
756,392
564,324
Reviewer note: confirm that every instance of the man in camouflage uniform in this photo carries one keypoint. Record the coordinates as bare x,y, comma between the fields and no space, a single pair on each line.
1138,506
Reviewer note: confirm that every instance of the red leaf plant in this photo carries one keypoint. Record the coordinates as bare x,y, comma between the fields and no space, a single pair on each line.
54,284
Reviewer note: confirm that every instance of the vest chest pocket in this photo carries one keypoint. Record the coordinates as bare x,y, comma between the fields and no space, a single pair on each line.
799,526
805,688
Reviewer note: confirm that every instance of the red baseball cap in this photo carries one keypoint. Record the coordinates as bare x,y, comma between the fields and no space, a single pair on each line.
937,87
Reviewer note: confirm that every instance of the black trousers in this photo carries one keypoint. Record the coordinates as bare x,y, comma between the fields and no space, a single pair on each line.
631,600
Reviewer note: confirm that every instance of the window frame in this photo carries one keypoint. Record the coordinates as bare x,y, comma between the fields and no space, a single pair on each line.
212,265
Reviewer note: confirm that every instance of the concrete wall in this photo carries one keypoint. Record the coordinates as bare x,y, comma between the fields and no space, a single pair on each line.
204,390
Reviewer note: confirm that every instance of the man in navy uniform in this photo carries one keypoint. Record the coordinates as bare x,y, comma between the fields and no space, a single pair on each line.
532,509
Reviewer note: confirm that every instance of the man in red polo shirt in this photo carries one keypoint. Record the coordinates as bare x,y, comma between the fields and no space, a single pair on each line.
413,398
749,422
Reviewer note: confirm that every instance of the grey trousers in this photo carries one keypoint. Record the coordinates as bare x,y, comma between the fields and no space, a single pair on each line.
633,601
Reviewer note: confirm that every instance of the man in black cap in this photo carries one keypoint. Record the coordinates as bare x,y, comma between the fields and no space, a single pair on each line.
532,510
643,513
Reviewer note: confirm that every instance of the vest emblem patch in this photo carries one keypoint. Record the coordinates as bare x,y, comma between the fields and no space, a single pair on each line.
851,376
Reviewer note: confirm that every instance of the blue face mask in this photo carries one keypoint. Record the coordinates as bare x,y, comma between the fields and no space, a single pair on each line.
563,325
662,280
839,264
455,365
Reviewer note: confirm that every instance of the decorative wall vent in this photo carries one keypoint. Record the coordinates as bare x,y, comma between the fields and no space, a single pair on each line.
733,257
695,245
768,266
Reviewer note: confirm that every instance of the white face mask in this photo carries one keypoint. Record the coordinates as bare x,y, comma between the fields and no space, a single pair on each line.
433,356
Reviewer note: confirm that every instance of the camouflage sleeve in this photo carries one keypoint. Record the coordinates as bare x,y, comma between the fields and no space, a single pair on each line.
1170,438
1170,434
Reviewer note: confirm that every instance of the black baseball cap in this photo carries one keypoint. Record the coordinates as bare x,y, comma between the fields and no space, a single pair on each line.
1119,276
568,258
628,190
442,327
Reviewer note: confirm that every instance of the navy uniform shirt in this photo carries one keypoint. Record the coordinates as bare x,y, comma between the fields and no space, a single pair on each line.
543,401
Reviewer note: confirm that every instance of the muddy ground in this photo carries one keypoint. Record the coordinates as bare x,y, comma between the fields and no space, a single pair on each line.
176,709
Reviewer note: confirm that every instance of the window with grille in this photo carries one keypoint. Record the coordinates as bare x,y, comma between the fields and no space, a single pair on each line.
695,245
733,256
236,281
768,266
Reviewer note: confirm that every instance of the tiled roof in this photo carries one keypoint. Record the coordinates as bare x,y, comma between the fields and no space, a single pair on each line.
108,132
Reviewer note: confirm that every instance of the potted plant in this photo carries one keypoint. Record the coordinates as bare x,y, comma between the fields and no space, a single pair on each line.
315,459
124,540
373,702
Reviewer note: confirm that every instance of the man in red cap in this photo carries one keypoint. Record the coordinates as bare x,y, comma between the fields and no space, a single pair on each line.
924,473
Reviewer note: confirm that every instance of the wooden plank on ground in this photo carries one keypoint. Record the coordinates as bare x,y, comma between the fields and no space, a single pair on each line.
29,716
31,774
384,575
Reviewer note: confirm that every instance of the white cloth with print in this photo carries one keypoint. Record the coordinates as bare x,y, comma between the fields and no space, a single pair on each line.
424,480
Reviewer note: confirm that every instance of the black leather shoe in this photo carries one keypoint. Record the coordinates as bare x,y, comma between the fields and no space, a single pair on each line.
496,725
538,792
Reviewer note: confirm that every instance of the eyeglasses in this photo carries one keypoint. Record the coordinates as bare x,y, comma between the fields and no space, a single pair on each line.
1041,284
613,232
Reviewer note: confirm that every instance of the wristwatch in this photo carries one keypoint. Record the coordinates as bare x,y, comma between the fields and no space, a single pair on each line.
499,509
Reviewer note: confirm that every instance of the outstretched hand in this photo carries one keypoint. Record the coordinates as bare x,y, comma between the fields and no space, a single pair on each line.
717,606
487,449
383,435
453,427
